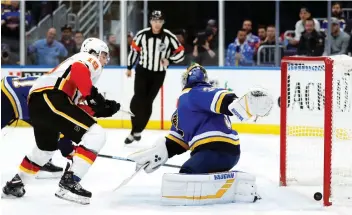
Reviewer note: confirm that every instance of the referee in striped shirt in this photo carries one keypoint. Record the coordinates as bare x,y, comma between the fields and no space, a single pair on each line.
154,47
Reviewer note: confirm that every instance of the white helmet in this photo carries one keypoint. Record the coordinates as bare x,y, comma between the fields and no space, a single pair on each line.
94,45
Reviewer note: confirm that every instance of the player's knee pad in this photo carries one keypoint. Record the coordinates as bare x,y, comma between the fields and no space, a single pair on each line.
95,138
40,157
227,187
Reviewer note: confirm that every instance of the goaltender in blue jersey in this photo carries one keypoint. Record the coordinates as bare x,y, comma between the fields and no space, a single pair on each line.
202,125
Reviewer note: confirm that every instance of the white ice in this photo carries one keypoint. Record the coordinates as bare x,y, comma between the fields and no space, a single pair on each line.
260,156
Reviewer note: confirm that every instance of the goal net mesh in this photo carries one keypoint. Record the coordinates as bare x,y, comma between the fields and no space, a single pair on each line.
305,125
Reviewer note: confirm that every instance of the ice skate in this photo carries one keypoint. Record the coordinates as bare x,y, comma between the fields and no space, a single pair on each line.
49,170
133,137
15,187
71,190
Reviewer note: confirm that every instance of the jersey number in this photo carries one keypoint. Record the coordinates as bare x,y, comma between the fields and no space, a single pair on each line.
94,63
16,82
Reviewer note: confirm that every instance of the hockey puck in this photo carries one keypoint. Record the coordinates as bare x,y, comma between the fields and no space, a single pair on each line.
318,196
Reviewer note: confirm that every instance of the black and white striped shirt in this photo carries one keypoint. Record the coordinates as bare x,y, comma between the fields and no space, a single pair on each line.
151,48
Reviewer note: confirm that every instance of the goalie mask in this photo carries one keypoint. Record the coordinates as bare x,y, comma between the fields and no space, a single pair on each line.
194,74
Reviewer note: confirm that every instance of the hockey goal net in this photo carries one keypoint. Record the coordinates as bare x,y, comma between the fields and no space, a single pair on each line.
316,125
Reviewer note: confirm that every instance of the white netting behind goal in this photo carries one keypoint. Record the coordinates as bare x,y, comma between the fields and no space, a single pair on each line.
305,125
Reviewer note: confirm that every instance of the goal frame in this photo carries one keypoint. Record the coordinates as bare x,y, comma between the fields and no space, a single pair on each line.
327,120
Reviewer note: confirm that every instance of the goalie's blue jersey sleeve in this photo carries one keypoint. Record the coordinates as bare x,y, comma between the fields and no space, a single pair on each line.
202,121
16,90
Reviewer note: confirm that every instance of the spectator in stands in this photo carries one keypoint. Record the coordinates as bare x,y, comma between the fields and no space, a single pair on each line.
48,51
304,14
181,37
67,41
7,57
261,35
214,44
336,11
252,40
348,26
212,24
78,41
202,51
114,50
339,40
267,55
129,41
240,52
311,42
10,22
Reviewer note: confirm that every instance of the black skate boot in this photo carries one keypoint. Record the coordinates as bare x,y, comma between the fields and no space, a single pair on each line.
71,190
133,137
49,170
15,187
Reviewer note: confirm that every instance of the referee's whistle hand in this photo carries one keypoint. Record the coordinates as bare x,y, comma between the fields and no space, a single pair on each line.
128,73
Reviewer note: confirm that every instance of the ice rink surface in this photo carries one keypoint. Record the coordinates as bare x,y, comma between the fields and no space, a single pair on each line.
260,156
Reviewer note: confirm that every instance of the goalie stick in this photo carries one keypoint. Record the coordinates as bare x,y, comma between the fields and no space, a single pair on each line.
125,159
124,182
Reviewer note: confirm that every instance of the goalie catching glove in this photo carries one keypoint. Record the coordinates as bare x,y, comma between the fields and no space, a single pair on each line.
256,103
102,107
156,156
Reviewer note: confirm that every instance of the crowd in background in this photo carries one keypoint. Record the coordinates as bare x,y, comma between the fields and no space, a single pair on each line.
308,39
248,48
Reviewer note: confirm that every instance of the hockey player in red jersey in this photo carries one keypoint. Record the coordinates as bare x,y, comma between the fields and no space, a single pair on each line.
53,109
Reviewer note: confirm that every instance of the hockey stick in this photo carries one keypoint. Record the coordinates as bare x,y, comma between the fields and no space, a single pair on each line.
127,112
124,182
121,110
125,159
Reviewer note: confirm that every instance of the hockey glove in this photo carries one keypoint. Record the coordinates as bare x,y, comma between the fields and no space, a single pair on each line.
95,100
156,156
256,103
109,108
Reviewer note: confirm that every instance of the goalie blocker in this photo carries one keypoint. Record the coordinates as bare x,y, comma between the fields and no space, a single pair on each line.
218,188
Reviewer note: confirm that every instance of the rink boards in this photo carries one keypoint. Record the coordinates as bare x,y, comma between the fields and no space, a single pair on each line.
115,85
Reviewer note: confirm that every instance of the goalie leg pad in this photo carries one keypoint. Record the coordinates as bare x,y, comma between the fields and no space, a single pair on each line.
227,187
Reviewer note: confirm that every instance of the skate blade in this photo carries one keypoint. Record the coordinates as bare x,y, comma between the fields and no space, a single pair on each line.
9,196
48,175
71,197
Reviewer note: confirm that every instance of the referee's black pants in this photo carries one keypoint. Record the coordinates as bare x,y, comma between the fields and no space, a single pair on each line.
146,87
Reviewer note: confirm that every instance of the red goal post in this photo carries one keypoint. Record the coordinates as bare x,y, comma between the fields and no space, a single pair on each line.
312,123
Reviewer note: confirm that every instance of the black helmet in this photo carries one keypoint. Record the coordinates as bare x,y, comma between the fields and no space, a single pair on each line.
156,15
